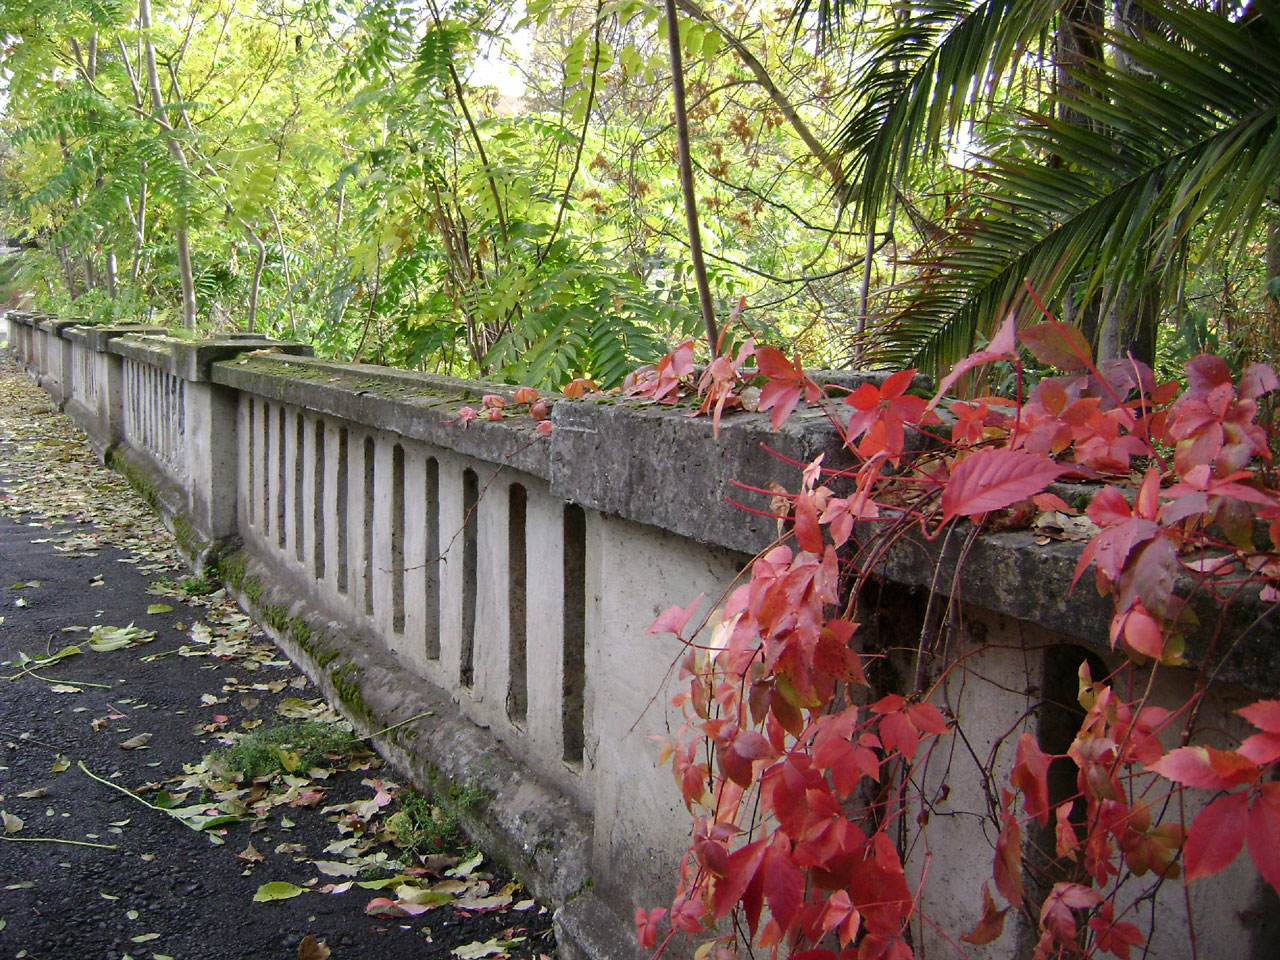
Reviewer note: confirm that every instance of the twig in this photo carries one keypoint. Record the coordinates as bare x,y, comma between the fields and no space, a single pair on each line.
72,843
378,733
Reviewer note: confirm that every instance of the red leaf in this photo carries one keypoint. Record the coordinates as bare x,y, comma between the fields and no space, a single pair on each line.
1216,835
1058,345
1115,938
1258,378
1056,914
673,619
1001,347
783,883
1108,507
808,533
1261,748
687,914
737,755
898,734
927,718
1031,776
1008,865
1206,768
1051,501
1206,371
1265,715
647,926
1264,833
991,925
993,479
744,864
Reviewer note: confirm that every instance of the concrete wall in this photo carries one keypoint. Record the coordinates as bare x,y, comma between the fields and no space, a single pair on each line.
501,581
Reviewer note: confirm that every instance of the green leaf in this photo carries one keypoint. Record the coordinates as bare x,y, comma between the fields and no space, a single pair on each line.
159,608
277,890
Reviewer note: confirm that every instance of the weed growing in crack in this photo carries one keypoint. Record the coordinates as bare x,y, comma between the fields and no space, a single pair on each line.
284,748
431,824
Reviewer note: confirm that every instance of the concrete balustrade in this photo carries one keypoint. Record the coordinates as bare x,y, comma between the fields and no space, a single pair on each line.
486,590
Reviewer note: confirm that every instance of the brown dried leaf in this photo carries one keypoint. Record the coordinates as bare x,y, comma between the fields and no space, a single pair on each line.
312,949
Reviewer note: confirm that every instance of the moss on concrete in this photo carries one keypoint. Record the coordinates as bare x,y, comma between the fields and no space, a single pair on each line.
346,687
190,541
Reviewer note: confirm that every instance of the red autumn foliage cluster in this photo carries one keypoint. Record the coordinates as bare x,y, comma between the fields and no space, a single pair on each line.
799,775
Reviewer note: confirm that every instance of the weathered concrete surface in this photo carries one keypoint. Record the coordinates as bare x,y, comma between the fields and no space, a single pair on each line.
1009,573
420,406
191,359
654,464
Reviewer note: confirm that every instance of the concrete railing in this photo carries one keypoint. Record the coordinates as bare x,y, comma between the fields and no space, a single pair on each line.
500,581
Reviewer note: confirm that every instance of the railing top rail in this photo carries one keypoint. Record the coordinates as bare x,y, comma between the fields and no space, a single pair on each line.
418,406
192,359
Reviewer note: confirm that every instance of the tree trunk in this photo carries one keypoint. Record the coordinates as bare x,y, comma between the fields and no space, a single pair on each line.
258,263
686,179
175,148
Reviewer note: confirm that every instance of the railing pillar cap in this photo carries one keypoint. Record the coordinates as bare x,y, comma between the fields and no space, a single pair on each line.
193,359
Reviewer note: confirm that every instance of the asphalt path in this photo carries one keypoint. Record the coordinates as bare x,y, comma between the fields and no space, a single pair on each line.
95,744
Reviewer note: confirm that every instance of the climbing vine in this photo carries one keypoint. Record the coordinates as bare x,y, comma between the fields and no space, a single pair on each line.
805,780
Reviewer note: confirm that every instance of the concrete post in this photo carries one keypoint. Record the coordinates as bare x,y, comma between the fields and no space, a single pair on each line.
210,416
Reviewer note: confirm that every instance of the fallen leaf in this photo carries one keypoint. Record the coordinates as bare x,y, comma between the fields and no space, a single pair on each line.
106,639
60,763
334,868
312,949
159,608
134,743
34,794
12,823
64,688
490,948
250,854
465,868
277,890
144,937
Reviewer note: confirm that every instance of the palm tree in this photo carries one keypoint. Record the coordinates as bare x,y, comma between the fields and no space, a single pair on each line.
1157,125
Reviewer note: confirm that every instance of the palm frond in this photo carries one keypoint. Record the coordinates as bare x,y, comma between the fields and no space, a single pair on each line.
924,75
1187,132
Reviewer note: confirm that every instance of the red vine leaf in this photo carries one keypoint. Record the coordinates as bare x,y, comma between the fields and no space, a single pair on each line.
1265,715
1206,768
808,533
1257,379
737,754
1057,915
647,926
1216,836
991,924
1001,347
1261,748
787,384
783,883
1264,833
744,864
673,619
1114,938
1008,865
1059,345
1031,776
994,479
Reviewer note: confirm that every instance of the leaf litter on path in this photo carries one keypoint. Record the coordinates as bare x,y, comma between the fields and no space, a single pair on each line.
59,490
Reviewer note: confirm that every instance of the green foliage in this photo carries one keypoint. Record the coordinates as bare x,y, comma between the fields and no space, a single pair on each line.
433,824
282,748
